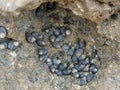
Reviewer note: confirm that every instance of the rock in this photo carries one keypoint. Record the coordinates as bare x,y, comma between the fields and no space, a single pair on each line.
25,71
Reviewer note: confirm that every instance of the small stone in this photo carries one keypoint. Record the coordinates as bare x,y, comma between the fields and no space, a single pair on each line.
70,67
70,52
76,74
53,68
84,62
74,70
87,60
65,46
49,31
68,32
62,66
49,62
82,74
29,37
60,38
3,44
82,81
3,32
56,61
66,72
89,77
82,57
40,42
79,67
96,61
74,59
12,45
42,51
78,52
52,38
59,72
36,35
56,44
43,57
57,32
86,68
93,69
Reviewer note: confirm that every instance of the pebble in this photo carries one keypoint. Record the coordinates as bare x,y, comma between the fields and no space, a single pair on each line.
42,51
60,38
3,32
74,59
56,61
66,72
3,44
82,81
29,37
76,74
89,77
52,38
61,66
79,67
65,47
74,70
57,32
36,35
56,45
43,57
86,68
70,52
53,68
93,69
67,32
40,42
59,72
13,45
78,52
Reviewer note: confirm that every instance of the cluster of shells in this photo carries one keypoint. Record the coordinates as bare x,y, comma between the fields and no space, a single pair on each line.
70,58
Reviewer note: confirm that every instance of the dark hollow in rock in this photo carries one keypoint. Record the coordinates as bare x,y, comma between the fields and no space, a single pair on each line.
45,7
114,16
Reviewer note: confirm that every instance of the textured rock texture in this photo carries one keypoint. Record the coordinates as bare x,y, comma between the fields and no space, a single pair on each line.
96,21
